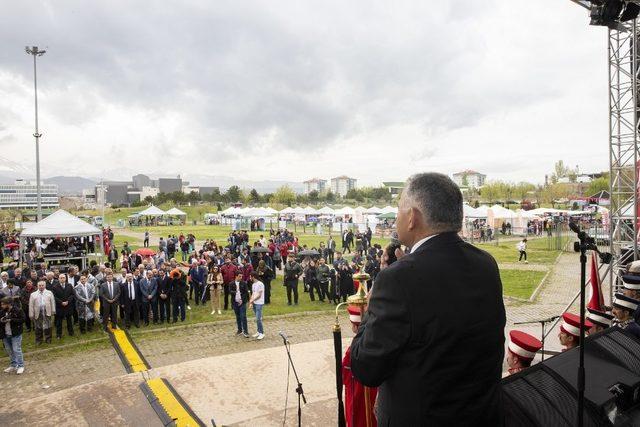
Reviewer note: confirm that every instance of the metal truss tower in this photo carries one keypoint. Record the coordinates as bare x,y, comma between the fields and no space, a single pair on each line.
623,54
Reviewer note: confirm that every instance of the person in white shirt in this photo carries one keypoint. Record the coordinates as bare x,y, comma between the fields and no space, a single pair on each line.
522,248
257,303
4,278
42,307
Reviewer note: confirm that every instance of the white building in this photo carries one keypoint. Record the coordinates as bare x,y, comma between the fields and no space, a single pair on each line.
147,191
469,179
315,184
23,195
342,184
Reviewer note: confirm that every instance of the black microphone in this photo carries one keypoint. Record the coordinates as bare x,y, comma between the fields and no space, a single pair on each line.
284,337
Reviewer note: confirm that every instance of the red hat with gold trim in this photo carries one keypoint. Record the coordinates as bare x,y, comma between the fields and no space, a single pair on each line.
523,345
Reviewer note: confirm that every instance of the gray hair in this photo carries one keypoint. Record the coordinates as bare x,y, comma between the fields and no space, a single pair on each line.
438,198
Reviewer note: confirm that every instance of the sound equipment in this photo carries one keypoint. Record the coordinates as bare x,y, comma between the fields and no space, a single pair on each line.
546,394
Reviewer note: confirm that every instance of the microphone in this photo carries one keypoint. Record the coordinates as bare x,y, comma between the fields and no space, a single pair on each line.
284,337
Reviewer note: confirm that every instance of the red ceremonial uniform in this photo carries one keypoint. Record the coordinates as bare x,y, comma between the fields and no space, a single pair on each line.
354,396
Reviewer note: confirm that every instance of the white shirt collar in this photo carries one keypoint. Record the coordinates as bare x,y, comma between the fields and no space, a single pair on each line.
420,242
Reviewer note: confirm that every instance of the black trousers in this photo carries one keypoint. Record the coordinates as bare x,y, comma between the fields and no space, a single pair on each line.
40,333
164,309
330,257
523,254
132,312
179,305
148,308
267,291
85,325
292,287
314,285
109,313
59,318
196,287
323,290
225,288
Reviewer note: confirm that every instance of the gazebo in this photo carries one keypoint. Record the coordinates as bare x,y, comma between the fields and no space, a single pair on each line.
61,224
175,212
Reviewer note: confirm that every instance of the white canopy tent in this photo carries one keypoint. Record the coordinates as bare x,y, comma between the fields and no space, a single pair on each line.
326,211
389,209
310,211
61,224
374,210
152,211
175,212
345,211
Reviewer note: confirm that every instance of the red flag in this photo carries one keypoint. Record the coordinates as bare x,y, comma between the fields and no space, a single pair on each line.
596,302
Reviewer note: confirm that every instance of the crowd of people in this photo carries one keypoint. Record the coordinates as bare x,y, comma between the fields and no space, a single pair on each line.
137,288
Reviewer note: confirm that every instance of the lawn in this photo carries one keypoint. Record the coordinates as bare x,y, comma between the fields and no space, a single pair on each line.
520,283
537,251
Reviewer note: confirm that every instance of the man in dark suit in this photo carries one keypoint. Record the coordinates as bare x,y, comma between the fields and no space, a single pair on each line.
109,300
239,298
73,278
130,300
432,338
164,296
64,295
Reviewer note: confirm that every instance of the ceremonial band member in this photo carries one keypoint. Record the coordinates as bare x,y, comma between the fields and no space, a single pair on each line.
354,394
432,338
599,319
569,334
623,309
631,286
522,349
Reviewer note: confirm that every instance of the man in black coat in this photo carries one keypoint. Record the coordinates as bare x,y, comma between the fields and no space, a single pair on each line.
164,296
239,292
64,295
432,338
130,301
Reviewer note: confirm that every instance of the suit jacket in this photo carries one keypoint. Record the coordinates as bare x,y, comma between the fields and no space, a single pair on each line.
34,304
244,291
164,286
149,287
61,295
104,292
433,337
125,299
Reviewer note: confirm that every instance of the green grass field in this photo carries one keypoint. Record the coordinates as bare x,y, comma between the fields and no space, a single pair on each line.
520,283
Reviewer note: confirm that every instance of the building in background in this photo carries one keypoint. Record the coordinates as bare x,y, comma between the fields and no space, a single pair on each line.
170,185
140,181
394,187
23,195
469,179
207,191
315,184
342,184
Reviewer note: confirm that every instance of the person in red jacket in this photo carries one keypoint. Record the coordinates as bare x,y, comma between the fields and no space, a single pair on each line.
356,413
228,270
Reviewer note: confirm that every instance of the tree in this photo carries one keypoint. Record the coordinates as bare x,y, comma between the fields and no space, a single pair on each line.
598,185
330,197
284,195
193,196
234,194
254,197
148,200
314,196
560,170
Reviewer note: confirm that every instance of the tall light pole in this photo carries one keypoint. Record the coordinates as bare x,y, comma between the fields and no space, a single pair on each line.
33,50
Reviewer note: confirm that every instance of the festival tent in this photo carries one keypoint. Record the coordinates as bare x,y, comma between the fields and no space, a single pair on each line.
374,210
481,211
152,211
345,211
299,210
389,209
61,224
176,212
287,210
271,210
310,211
257,212
500,212
326,211
388,215
542,211
469,212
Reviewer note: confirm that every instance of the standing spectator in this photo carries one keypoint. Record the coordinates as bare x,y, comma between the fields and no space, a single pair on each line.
11,320
149,290
164,296
311,278
266,275
42,307
239,298
323,276
84,295
184,248
130,299
522,248
65,298
109,300
11,291
331,248
292,272
25,295
215,282
178,294
228,271
113,256
345,280
146,239
257,303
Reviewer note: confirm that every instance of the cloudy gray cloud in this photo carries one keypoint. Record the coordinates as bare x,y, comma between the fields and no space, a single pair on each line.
203,82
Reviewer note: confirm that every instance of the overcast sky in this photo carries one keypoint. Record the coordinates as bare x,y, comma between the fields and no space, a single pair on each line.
293,90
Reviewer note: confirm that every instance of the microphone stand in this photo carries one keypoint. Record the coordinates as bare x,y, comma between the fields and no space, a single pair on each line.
299,387
543,323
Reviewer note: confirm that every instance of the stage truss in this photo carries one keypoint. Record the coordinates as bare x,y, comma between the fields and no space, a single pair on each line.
623,57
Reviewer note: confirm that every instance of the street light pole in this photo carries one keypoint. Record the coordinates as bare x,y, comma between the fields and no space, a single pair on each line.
33,50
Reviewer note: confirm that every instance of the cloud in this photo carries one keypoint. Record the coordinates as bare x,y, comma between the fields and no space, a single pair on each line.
233,86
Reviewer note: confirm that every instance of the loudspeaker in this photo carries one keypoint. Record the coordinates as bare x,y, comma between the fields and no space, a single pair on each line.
546,394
